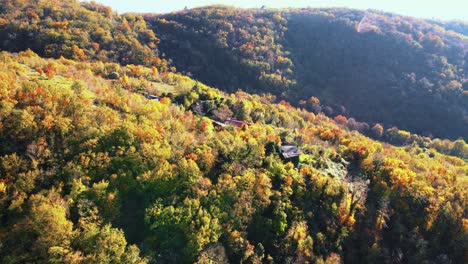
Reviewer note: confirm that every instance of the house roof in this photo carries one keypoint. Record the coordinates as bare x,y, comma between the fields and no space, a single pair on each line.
289,151
237,123
217,123
152,97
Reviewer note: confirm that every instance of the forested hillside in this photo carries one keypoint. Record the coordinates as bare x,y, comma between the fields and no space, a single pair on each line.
89,165
106,158
79,31
376,67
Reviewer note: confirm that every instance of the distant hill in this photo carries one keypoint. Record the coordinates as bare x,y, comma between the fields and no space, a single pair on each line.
80,31
373,66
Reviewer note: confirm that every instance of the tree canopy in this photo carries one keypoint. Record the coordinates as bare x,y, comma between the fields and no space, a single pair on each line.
373,66
106,158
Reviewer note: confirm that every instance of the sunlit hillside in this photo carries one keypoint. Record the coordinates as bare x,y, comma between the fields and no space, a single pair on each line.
108,160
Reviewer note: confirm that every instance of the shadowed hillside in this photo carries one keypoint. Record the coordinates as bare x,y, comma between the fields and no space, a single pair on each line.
376,67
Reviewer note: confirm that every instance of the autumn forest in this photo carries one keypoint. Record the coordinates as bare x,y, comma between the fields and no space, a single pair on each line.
226,135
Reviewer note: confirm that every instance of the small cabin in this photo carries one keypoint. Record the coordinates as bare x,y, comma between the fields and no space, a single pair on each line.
152,97
113,76
290,153
218,123
237,123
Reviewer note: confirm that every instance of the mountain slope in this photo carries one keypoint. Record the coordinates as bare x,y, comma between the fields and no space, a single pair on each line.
105,161
376,67
80,31
87,164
